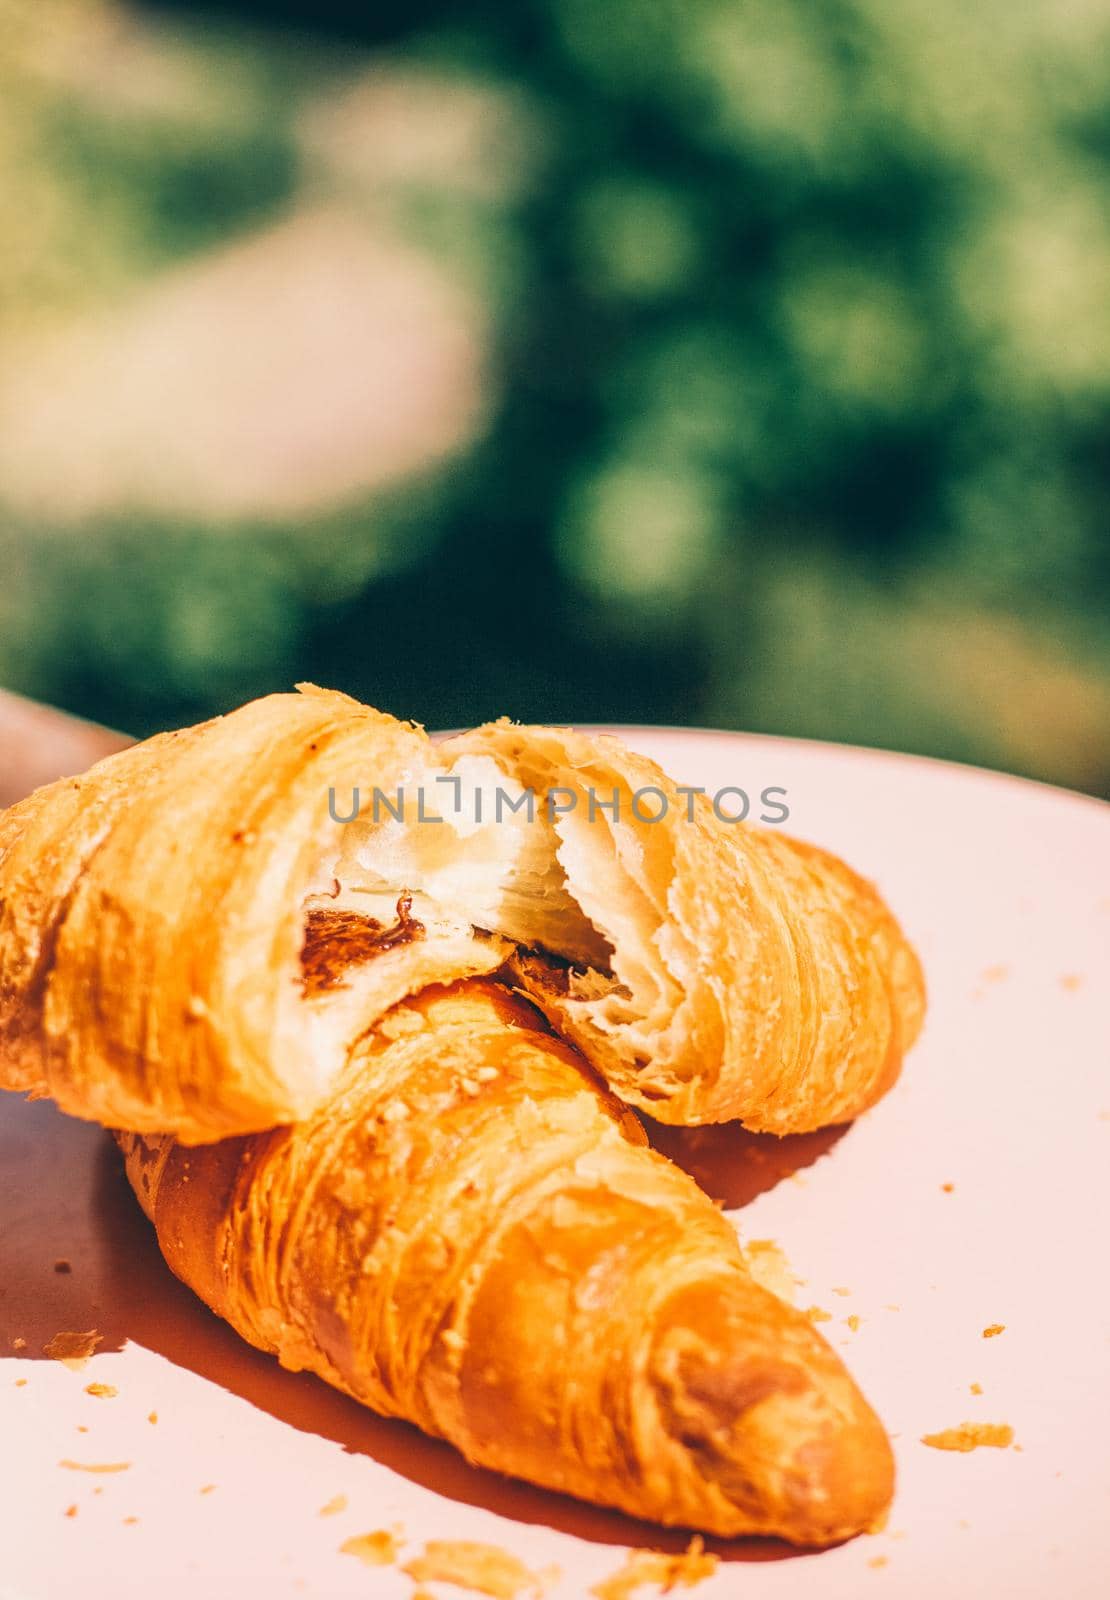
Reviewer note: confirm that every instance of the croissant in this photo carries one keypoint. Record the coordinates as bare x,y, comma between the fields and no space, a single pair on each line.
742,974
193,934
471,1234
169,952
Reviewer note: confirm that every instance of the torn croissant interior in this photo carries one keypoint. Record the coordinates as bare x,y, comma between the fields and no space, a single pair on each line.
708,970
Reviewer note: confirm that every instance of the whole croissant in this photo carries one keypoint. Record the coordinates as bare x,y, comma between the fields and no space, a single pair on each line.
470,1234
190,940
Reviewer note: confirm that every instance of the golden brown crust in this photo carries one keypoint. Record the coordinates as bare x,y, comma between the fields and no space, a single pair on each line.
472,1235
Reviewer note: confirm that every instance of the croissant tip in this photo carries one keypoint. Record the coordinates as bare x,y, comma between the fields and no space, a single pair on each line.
788,1442
842,1484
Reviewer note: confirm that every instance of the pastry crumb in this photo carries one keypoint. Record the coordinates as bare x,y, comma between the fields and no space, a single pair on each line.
21,1383
994,974
95,1466
994,1330
129,1522
841,1292
481,1568
976,1388
62,1265
71,1511
817,1314
334,1506
643,1567
947,1188
206,1488
878,1561
19,1344
1071,982
152,1416
72,1349
853,1322
971,1436
102,1391
378,1549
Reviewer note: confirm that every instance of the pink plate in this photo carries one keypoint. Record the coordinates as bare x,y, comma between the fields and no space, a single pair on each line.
976,1194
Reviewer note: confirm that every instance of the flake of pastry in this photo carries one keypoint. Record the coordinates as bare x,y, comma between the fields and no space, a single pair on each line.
377,1549
971,1436
994,1330
482,1568
652,1567
101,1391
73,1349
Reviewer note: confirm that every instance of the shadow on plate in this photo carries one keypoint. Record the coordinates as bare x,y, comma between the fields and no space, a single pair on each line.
734,1166
76,1253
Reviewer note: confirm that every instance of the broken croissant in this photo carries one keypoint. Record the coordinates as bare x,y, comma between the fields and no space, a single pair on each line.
190,941
470,1234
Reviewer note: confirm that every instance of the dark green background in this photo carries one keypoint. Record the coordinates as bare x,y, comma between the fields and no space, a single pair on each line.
797,399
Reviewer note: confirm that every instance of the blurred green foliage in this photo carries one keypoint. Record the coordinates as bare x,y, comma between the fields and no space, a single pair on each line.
797,381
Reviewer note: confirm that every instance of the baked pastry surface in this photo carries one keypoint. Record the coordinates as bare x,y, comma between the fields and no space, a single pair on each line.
470,1233
190,940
